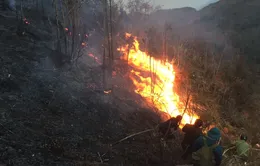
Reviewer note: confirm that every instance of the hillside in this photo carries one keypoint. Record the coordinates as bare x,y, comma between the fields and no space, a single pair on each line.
217,49
60,115
58,112
239,20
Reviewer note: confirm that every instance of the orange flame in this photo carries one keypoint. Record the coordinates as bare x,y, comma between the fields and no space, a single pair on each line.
157,88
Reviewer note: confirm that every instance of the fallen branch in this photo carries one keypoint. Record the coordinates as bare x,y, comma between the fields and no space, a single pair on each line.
100,157
228,150
132,135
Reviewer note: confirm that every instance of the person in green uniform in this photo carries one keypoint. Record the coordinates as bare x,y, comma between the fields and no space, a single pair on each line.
242,147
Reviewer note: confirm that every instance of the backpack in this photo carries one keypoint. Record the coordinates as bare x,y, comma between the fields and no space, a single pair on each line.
205,154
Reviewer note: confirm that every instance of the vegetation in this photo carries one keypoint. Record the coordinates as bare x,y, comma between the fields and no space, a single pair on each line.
223,86
60,114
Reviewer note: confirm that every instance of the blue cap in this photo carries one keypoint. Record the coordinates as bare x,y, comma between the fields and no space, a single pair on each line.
214,134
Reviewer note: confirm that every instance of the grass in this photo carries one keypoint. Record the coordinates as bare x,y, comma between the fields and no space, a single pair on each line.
226,88
46,124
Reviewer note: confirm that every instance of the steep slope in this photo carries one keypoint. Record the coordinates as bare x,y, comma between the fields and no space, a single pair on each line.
239,20
56,116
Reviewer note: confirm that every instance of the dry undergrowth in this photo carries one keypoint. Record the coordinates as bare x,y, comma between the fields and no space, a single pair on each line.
227,89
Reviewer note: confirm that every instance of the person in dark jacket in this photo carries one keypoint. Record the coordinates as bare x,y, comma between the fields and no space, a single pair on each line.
166,127
205,148
192,132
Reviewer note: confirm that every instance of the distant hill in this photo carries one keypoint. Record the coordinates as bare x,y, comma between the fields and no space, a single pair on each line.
239,20
236,22
186,24
178,17
208,3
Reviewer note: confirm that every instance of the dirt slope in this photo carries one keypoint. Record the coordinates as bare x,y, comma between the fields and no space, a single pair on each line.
61,117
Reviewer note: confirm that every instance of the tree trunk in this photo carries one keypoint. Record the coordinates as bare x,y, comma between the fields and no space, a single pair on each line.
111,32
43,11
151,75
37,5
21,10
64,26
58,46
104,43
107,31
165,45
73,35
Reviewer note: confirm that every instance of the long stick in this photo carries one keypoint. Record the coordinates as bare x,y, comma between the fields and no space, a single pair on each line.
132,135
141,132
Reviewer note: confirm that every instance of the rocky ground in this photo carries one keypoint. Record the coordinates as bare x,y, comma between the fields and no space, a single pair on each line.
62,117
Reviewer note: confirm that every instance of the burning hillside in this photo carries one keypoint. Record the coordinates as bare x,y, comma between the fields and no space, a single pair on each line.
154,80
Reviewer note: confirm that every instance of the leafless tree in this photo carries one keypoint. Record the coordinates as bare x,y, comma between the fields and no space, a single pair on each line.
108,54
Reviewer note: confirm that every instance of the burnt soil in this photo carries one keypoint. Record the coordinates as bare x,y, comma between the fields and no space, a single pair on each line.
50,117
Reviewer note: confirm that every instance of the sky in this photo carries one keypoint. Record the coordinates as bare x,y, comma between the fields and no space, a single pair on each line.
169,4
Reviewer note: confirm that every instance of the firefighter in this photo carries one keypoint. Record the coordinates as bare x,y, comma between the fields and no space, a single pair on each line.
192,132
242,148
206,148
166,127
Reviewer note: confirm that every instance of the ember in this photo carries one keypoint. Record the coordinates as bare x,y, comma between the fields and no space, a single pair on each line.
158,92
107,91
26,21
83,44
95,58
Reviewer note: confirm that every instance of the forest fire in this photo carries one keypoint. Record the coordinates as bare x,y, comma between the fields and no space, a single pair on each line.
155,82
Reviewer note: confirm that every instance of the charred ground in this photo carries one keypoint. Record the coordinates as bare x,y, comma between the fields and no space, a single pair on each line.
51,117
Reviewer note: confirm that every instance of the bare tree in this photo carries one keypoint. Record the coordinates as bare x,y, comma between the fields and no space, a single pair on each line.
139,11
167,29
58,45
108,42
67,15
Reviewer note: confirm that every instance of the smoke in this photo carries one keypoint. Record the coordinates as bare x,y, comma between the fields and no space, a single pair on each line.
190,24
187,25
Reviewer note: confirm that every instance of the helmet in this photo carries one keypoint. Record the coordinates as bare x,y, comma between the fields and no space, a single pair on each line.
243,137
179,118
198,123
